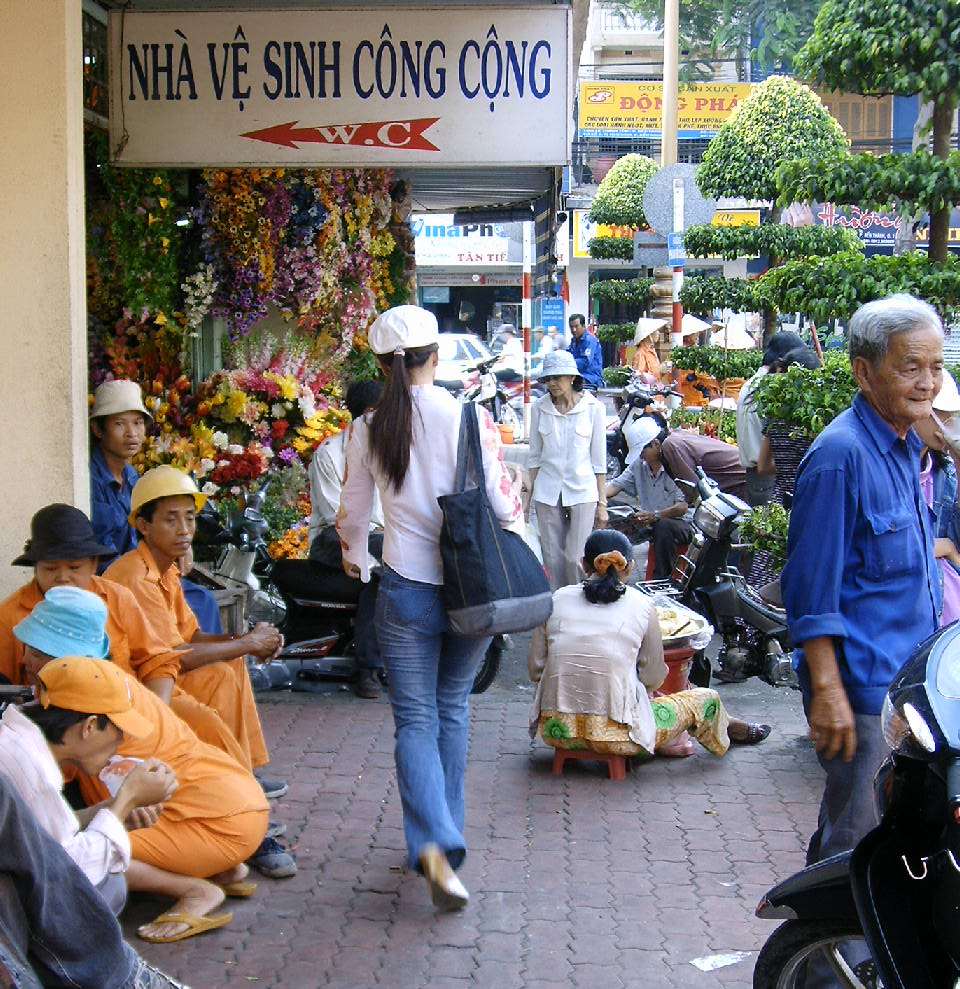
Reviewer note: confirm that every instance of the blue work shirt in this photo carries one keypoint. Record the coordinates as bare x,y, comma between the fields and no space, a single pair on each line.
586,352
110,504
860,564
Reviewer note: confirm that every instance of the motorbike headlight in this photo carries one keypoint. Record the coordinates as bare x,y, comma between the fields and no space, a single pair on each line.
707,520
253,515
905,725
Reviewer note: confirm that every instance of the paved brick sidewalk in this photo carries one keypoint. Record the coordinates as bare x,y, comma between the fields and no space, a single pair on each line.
574,881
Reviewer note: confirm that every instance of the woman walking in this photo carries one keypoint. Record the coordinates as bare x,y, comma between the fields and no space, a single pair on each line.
568,467
407,450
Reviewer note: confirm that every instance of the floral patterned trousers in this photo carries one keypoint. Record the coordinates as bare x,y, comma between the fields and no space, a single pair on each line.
698,711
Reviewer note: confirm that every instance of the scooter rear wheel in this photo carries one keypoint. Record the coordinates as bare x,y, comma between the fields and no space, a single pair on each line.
489,668
783,960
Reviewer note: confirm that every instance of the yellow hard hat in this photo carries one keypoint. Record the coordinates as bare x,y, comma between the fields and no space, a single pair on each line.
163,482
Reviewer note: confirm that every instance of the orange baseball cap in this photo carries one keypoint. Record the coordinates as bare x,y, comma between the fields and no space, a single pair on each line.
92,686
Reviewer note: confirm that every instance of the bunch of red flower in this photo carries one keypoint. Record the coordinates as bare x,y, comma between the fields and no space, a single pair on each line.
279,428
240,468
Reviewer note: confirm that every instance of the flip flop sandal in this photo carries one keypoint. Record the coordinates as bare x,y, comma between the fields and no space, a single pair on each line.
756,733
195,925
239,890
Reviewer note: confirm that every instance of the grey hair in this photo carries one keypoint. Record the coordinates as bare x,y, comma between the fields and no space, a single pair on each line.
872,325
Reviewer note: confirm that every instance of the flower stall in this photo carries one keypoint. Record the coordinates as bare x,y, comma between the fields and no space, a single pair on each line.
292,264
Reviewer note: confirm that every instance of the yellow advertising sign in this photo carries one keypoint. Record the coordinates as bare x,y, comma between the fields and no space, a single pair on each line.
736,218
635,109
584,230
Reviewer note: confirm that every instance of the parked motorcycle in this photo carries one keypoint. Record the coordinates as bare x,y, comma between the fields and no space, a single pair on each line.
313,606
756,641
636,397
898,892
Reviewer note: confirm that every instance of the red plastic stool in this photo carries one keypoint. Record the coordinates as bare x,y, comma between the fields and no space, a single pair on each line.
652,559
679,661
617,765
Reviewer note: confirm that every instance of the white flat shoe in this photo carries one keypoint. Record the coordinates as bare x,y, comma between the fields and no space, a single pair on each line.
446,890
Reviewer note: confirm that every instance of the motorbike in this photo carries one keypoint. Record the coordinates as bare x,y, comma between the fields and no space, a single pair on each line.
897,893
312,605
636,398
756,640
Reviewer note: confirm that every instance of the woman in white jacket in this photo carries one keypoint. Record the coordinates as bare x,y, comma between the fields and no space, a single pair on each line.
407,450
568,467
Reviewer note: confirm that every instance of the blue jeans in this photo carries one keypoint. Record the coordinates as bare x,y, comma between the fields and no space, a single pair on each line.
430,671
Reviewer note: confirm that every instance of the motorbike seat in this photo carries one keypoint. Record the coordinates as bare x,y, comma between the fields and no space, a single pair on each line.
306,580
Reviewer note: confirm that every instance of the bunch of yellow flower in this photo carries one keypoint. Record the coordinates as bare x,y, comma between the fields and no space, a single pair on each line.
319,427
294,544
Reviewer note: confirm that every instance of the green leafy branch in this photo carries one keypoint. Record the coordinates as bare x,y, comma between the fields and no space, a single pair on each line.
611,248
623,291
704,293
775,240
718,362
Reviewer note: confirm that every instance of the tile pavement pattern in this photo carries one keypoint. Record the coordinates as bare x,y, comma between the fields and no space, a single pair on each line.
575,881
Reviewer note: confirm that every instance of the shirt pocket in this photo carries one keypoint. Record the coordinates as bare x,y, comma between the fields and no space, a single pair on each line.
893,547
550,440
583,434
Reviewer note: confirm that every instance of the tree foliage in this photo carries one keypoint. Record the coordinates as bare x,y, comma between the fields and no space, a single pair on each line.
611,248
709,28
623,291
904,47
774,240
916,181
781,120
704,293
619,198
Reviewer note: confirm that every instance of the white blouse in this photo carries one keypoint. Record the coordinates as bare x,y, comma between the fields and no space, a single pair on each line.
568,449
412,516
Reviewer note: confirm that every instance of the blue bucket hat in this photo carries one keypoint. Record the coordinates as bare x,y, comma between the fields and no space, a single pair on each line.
67,622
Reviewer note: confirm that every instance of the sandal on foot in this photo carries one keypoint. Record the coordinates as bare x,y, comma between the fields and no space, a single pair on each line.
240,890
756,733
195,925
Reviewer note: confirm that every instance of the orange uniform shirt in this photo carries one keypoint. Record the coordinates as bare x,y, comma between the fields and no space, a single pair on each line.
160,596
134,646
212,785
645,360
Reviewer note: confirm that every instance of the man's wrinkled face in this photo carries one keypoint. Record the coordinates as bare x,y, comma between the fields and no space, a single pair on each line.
903,385
172,527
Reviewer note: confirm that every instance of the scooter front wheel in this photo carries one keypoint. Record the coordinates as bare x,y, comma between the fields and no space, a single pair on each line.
489,667
794,946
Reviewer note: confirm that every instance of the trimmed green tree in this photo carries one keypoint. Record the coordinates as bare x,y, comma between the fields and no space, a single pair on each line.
619,199
902,47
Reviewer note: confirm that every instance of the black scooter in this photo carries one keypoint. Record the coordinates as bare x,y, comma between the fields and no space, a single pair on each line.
635,398
898,892
756,641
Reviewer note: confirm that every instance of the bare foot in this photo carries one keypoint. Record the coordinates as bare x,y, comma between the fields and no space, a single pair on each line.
235,875
201,899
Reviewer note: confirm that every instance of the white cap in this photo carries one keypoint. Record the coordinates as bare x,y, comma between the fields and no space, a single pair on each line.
403,328
114,397
559,364
641,432
948,398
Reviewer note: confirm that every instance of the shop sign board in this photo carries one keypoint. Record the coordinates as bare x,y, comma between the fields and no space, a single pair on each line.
459,277
635,109
399,86
442,243
736,218
878,230
553,313
584,230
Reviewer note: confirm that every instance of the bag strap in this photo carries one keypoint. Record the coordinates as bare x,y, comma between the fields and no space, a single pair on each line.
469,451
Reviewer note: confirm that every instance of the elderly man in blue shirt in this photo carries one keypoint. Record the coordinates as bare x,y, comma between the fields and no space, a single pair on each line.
585,348
860,585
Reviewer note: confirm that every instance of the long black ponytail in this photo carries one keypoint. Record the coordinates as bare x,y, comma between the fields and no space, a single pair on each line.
391,427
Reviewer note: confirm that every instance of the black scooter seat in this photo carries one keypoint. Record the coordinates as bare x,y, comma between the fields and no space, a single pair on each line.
305,580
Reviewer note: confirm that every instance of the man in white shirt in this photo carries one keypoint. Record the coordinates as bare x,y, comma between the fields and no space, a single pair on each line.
96,838
327,472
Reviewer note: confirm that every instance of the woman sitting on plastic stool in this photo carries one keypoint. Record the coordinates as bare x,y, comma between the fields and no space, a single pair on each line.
598,659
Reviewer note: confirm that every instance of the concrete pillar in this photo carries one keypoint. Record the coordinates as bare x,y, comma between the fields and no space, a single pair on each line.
43,351
578,279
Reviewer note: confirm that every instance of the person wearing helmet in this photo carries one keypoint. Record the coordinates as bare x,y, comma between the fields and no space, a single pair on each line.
938,483
213,669
192,848
118,424
64,552
662,509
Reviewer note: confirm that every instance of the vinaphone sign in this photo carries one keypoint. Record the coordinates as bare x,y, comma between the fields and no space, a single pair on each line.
417,86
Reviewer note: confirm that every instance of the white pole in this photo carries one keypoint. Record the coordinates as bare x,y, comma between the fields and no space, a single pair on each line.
671,83
526,318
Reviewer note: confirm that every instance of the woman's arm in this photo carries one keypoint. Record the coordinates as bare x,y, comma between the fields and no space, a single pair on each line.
651,667
356,504
503,491
765,464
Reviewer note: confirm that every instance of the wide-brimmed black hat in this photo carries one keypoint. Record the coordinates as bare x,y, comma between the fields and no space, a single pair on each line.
60,532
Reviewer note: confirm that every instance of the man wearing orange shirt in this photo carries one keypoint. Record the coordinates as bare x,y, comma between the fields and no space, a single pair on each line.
194,847
63,551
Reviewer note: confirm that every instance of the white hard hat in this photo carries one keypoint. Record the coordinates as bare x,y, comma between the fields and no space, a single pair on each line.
403,328
641,433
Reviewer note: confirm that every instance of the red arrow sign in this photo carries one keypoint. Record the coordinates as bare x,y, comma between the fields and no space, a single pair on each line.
398,135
